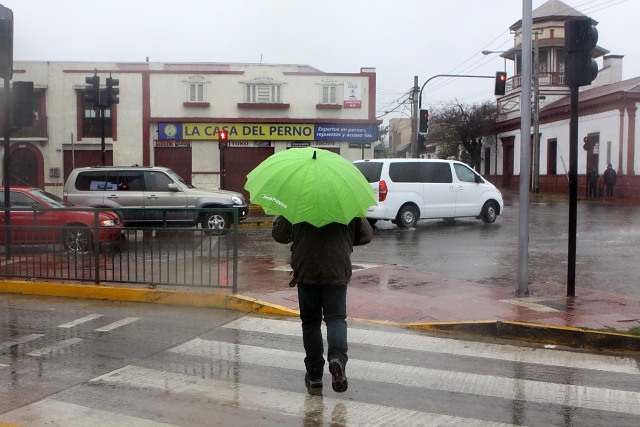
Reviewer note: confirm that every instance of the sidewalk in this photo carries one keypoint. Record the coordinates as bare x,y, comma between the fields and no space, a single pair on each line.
407,297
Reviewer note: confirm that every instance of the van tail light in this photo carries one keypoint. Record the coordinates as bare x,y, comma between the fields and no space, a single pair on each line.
382,191
65,196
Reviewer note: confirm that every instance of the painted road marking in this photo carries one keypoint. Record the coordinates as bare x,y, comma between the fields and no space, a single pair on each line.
355,267
54,412
118,324
530,303
54,347
19,340
566,359
577,396
80,321
310,408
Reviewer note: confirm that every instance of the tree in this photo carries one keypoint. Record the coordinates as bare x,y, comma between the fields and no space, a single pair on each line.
457,127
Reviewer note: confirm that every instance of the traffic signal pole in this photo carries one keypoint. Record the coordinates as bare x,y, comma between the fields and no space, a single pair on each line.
414,119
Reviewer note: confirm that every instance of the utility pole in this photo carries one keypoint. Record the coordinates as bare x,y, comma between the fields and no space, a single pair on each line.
535,184
525,150
414,118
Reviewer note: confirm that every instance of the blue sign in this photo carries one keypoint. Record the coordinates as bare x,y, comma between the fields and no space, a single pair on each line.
169,131
346,132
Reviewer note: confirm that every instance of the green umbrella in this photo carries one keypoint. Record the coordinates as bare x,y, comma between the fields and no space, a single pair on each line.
310,185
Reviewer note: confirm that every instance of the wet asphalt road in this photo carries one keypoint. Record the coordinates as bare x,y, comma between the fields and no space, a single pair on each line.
607,256
77,363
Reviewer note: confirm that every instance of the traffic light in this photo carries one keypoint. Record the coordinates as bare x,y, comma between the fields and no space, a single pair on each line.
92,90
112,91
580,37
223,137
424,121
22,105
501,83
6,43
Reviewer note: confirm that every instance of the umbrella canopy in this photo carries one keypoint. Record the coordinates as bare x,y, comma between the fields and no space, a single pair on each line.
310,185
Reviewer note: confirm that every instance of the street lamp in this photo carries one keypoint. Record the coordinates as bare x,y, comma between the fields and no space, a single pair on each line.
489,52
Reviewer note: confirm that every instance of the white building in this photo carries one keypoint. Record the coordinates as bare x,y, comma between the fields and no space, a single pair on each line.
607,110
169,114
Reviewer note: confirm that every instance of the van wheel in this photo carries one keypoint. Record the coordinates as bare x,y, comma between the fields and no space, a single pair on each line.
215,222
489,212
407,217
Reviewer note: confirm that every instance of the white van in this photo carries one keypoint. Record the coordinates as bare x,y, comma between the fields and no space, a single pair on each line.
411,189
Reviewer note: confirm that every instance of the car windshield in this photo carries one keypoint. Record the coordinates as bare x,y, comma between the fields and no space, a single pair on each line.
178,178
52,199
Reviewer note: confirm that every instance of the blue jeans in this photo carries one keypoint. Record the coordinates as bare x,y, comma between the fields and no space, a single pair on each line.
316,300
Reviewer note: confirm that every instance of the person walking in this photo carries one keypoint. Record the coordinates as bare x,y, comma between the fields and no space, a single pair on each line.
609,176
592,182
321,262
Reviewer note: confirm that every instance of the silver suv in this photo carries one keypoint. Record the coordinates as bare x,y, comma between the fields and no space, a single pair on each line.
158,190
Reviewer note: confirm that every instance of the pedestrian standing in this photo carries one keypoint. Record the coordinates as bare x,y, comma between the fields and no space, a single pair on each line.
592,182
609,176
321,262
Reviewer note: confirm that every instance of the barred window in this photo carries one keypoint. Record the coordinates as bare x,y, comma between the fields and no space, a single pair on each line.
264,93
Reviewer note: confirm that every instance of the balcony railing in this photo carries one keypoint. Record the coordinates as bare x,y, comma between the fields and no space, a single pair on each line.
544,79
38,130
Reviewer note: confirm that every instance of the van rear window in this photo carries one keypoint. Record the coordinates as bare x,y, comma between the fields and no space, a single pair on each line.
370,170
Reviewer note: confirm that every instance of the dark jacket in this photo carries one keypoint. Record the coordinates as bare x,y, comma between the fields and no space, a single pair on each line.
322,255
609,177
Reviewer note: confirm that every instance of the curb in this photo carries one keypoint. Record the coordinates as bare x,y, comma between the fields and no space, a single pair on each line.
511,330
538,333
155,296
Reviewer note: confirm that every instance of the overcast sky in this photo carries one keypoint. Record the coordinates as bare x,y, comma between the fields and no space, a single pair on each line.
400,38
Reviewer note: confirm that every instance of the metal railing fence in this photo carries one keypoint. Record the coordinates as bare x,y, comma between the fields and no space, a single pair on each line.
158,255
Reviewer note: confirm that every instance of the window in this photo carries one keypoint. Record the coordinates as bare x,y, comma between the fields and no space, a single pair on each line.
196,92
437,172
263,91
552,154
157,181
91,125
464,173
405,172
329,94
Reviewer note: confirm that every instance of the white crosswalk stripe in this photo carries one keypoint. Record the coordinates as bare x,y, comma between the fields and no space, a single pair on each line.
434,379
118,324
60,345
252,397
80,321
568,359
254,365
53,412
19,340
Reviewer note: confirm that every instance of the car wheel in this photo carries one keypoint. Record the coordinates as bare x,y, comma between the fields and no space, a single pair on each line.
77,239
215,222
407,217
489,212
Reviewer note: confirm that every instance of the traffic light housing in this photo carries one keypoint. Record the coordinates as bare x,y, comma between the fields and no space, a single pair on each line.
223,137
112,91
500,86
22,105
580,38
423,126
6,43
92,90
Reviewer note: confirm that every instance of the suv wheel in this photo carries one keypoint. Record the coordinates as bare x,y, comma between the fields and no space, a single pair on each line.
215,221
407,217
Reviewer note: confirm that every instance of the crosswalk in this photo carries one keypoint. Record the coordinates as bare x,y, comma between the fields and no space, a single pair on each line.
250,370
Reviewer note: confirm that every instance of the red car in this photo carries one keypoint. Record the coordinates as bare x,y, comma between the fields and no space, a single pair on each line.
39,217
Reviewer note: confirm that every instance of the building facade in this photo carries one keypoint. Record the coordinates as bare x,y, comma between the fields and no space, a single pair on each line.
607,114
169,115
